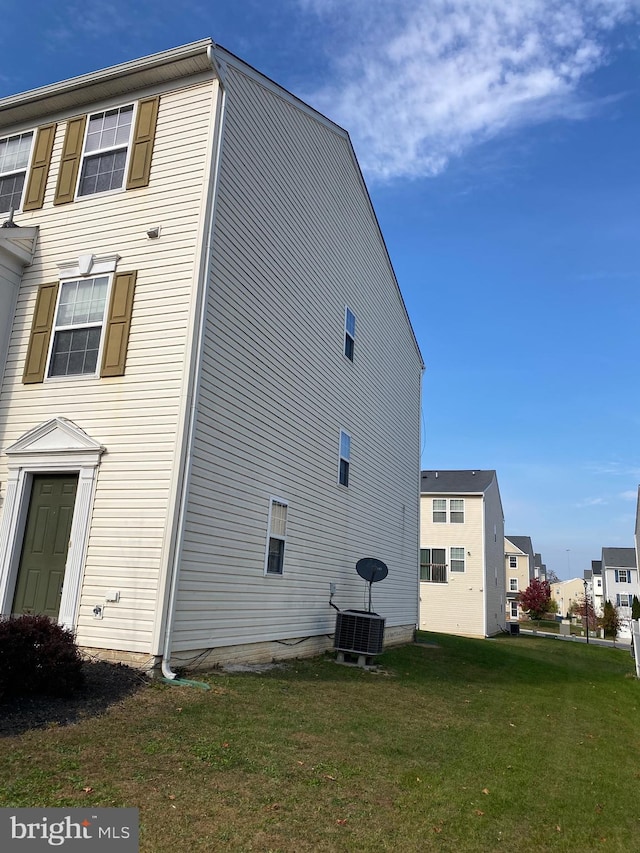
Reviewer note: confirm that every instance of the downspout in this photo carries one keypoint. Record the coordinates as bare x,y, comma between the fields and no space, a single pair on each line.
168,674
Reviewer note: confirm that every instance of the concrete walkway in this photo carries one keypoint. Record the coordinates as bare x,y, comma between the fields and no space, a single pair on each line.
624,645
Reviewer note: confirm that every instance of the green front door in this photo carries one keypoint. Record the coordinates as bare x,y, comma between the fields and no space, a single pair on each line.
46,542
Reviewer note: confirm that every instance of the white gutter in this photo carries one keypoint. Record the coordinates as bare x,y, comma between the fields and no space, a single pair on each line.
212,191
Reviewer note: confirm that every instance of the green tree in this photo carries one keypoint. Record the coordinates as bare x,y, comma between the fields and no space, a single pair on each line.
635,608
610,620
552,607
534,600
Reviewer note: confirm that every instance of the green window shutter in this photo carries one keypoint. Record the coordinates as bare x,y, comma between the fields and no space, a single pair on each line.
34,198
70,160
142,145
118,324
40,334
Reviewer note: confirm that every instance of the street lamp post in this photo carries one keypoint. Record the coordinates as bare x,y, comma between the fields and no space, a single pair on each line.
586,608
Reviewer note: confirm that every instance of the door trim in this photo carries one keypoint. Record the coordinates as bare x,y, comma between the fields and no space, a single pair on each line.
55,447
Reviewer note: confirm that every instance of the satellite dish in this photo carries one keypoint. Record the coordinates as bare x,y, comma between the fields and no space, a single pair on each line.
371,570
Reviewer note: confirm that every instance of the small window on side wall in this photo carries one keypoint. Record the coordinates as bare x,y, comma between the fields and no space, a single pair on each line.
456,563
274,563
345,458
349,333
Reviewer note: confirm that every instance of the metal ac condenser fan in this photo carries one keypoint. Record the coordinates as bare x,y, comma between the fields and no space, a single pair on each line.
357,631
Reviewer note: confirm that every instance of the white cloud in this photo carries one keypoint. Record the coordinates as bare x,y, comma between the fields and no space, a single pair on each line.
629,495
591,502
416,82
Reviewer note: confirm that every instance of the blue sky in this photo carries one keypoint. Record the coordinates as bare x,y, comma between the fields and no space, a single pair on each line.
499,140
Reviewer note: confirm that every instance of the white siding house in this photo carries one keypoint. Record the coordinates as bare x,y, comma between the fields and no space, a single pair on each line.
210,356
620,583
462,578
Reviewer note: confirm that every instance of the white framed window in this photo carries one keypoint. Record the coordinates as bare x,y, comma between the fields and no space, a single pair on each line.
624,600
599,583
456,561
276,537
514,609
513,584
513,562
439,510
623,576
433,565
345,458
456,510
15,153
106,149
349,332
78,326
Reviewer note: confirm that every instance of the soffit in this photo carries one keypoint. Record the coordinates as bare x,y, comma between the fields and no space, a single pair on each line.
119,80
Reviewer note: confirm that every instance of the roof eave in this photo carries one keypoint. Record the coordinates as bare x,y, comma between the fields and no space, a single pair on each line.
118,80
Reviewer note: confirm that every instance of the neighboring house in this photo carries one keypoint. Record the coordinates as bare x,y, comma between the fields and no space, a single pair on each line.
620,582
566,593
595,583
539,568
461,553
519,572
210,406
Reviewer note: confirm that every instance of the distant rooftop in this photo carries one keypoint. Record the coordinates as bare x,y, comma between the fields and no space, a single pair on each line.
596,567
522,542
456,482
624,558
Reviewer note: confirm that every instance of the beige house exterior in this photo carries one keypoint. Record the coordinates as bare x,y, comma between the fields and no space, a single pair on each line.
519,572
566,593
185,228
462,588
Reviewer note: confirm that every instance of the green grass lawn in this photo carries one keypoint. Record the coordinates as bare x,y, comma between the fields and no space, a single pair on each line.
514,744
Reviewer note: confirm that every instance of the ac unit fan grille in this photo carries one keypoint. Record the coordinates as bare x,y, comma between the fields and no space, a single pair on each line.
360,632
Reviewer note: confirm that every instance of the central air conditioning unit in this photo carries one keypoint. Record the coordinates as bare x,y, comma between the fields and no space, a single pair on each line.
359,632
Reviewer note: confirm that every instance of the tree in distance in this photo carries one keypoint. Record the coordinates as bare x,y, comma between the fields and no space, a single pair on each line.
534,600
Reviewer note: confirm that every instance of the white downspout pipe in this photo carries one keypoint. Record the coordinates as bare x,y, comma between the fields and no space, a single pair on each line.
167,672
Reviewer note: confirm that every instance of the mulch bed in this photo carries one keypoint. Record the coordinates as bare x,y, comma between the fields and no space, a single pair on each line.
105,684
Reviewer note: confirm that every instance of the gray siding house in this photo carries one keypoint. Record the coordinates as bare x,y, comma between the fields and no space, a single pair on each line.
210,400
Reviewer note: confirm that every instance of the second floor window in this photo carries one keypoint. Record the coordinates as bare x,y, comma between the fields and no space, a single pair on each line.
14,159
349,333
513,584
77,330
105,151
345,458
456,510
457,559
513,562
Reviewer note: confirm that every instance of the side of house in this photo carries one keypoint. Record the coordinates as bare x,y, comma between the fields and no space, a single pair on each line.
461,553
306,442
210,400
620,582
519,572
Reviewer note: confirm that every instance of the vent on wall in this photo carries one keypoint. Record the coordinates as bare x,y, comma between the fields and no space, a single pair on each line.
359,632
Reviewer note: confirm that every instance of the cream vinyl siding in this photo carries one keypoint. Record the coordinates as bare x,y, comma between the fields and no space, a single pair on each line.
295,240
495,596
10,276
455,607
134,416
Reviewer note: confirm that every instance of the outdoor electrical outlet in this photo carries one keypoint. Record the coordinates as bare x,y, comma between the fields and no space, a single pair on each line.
98,611
332,588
